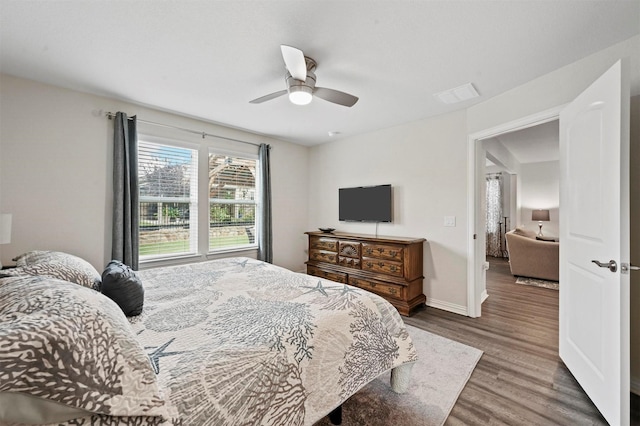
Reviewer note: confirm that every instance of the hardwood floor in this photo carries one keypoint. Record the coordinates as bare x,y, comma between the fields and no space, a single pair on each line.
520,379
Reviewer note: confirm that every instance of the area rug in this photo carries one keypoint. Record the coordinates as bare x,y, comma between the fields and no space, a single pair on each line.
538,283
438,377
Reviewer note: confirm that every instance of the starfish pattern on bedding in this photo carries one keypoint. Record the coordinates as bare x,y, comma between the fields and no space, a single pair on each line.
323,290
158,353
348,289
243,263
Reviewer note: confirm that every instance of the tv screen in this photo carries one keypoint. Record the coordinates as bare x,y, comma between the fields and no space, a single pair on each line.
365,204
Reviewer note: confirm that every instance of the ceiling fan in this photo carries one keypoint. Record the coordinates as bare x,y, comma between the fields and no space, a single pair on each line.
301,82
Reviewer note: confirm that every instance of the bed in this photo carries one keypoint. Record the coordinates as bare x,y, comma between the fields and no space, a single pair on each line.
225,342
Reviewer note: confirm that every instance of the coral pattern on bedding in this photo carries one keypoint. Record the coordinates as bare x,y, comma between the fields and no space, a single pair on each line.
238,341
242,342
55,264
71,345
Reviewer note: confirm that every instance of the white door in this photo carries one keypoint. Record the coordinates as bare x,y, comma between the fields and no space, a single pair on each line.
594,225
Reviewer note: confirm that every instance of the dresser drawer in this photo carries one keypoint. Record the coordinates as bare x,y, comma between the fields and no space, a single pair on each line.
388,267
349,261
323,256
382,251
383,289
338,277
322,243
349,249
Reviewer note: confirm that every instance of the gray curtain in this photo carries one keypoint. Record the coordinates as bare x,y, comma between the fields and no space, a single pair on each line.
265,235
494,215
125,191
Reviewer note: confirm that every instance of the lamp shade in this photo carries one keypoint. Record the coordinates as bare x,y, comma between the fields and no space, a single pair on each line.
5,228
540,215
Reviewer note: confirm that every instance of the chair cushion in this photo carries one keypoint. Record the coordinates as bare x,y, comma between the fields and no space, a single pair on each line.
524,232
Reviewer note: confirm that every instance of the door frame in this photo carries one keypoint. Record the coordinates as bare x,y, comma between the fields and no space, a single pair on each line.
476,252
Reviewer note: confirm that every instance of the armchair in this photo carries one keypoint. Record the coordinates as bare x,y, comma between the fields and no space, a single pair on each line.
529,257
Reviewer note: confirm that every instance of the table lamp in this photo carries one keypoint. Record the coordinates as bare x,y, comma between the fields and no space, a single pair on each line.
541,216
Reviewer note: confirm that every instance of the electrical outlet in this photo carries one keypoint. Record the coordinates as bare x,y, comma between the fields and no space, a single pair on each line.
449,221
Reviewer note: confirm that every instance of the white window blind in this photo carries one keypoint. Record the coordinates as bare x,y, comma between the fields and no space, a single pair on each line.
232,201
168,181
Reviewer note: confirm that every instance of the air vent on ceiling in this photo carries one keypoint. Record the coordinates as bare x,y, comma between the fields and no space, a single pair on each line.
457,94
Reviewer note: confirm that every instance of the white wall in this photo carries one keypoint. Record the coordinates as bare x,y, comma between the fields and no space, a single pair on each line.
55,172
425,161
556,88
539,189
500,155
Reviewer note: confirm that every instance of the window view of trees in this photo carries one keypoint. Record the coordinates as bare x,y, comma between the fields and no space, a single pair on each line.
168,200
160,178
232,204
168,209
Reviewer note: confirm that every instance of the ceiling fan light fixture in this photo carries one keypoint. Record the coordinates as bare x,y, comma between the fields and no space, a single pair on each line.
300,95
301,82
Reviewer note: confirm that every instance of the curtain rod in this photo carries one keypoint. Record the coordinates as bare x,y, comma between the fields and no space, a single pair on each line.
111,115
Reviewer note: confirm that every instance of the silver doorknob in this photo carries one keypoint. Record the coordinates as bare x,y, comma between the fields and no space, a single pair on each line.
612,265
626,267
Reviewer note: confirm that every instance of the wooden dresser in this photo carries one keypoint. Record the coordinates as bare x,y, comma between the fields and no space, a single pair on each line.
388,266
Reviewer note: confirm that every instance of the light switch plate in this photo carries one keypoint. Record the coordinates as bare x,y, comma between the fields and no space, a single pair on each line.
449,221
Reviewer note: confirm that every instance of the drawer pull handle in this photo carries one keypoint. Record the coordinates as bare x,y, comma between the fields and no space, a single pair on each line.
393,253
393,269
380,250
369,264
381,264
369,251
372,284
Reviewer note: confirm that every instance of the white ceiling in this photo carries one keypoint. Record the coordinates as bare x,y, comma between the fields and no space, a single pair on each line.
208,59
534,144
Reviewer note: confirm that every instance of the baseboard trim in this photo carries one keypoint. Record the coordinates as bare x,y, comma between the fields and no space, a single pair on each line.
447,306
635,385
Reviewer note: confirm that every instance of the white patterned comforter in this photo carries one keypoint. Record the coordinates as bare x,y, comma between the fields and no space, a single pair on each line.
242,342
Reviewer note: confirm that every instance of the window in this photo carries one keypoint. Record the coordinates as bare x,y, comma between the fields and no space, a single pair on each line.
232,201
168,182
168,174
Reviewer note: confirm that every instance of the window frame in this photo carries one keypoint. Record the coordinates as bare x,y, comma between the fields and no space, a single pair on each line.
212,149
194,239
203,148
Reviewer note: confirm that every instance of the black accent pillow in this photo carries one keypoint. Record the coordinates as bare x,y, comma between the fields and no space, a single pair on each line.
121,284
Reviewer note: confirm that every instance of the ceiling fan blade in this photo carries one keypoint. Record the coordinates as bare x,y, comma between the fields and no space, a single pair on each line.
268,97
335,96
295,62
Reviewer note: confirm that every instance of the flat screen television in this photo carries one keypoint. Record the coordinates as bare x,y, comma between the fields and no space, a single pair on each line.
365,204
